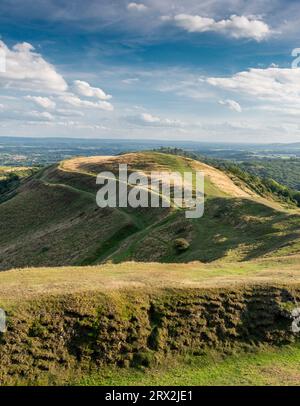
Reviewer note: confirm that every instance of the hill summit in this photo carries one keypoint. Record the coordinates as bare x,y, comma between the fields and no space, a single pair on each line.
53,219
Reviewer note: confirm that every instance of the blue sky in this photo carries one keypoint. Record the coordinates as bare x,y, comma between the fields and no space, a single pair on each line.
207,71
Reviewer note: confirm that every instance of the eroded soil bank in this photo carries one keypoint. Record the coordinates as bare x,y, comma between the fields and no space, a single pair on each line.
137,327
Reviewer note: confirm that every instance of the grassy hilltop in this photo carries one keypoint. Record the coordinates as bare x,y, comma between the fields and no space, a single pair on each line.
53,219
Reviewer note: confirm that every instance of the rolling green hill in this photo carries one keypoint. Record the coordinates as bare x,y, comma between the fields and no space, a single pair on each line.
53,219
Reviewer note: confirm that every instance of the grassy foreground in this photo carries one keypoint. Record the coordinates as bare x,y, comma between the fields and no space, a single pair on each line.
134,323
19,284
270,366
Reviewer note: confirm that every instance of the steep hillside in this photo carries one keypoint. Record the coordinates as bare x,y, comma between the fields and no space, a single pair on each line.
53,219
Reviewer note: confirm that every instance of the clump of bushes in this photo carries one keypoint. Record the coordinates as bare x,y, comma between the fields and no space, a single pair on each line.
181,244
7,182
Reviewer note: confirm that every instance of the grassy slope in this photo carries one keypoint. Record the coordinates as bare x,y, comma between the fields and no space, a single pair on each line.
220,233
256,215
22,284
270,366
60,224
52,224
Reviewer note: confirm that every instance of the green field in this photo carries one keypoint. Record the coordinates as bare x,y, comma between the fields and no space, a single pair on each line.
268,366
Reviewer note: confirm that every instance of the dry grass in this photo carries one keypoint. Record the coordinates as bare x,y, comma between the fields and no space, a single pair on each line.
74,164
28,283
9,169
147,162
217,182
222,181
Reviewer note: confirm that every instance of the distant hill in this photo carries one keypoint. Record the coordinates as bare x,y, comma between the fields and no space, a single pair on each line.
53,219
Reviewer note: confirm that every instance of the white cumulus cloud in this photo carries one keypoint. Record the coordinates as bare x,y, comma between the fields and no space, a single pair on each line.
27,69
137,6
273,84
75,101
235,26
44,102
231,104
40,116
85,89
147,119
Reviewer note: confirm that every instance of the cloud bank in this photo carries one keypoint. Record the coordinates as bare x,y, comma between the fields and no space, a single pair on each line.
273,83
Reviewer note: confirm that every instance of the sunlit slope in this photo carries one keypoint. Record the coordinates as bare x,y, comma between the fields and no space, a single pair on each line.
17,285
53,220
216,182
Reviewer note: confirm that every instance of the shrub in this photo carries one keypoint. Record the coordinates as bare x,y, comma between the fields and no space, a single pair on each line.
181,244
